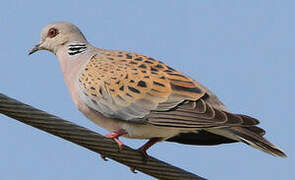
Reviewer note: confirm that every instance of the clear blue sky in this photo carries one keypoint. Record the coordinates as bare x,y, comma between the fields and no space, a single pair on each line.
242,50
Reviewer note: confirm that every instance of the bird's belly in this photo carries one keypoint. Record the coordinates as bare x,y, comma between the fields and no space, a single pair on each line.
140,131
137,131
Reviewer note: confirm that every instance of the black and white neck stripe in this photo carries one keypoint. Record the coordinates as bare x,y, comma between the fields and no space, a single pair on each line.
76,48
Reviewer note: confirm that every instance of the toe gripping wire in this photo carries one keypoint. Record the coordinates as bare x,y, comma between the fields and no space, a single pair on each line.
91,140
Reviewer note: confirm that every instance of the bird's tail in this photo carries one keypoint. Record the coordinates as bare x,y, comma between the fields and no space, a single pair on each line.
251,138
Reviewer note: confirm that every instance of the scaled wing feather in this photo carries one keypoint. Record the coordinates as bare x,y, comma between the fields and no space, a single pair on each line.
138,88
129,86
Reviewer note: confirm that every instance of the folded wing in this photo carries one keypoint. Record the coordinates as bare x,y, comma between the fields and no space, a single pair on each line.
129,86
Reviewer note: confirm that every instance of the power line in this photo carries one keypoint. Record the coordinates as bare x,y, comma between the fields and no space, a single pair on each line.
91,140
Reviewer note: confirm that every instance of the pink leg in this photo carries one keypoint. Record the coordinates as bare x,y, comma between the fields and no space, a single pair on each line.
147,145
115,136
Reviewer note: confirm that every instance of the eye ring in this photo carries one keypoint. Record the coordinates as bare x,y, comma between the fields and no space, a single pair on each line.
52,32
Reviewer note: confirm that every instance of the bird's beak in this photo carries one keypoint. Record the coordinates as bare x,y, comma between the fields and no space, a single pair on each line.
36,48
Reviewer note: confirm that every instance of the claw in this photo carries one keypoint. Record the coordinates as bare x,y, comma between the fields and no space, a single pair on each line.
103,157
133,170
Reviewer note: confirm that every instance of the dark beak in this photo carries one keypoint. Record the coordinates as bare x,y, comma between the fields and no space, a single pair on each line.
35,49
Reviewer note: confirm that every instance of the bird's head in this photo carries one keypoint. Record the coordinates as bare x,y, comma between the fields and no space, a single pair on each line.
56,35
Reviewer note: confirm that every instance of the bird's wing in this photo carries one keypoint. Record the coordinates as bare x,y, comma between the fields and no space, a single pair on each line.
198,114
133,87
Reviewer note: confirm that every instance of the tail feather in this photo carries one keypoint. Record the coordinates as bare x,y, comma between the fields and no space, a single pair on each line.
256,130
256,140
252,136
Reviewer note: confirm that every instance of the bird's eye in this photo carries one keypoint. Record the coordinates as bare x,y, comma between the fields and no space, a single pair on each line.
52,32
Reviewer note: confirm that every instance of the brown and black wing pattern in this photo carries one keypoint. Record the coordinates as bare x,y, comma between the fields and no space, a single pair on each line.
198,114
129,86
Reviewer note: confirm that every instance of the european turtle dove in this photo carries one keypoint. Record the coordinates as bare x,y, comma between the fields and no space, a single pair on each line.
136,96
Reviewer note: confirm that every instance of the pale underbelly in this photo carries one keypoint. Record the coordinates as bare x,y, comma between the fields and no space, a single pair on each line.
137,131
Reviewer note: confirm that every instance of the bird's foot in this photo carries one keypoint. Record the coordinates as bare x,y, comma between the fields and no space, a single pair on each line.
115,136
143,150
146,146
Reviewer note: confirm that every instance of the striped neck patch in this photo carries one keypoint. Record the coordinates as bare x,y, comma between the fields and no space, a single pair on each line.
76,48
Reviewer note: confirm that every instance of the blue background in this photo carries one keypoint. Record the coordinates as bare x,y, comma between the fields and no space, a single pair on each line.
242,50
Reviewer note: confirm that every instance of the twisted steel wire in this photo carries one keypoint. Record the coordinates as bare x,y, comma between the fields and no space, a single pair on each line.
91,140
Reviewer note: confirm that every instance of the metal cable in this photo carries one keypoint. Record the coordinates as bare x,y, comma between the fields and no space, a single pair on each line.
91,140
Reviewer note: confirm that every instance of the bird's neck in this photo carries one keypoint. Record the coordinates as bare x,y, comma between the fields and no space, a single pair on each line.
71,65
77,48
74,54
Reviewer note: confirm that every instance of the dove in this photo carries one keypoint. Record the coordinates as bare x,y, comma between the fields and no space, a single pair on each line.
135,96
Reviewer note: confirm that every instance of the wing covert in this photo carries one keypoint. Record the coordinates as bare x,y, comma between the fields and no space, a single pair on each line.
127,86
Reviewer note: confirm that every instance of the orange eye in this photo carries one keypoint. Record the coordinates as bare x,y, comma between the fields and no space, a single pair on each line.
52,32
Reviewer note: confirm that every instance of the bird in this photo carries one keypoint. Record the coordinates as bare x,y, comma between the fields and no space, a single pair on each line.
136,96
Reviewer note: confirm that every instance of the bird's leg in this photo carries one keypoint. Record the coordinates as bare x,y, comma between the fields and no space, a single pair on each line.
115,136
147,145
144,148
